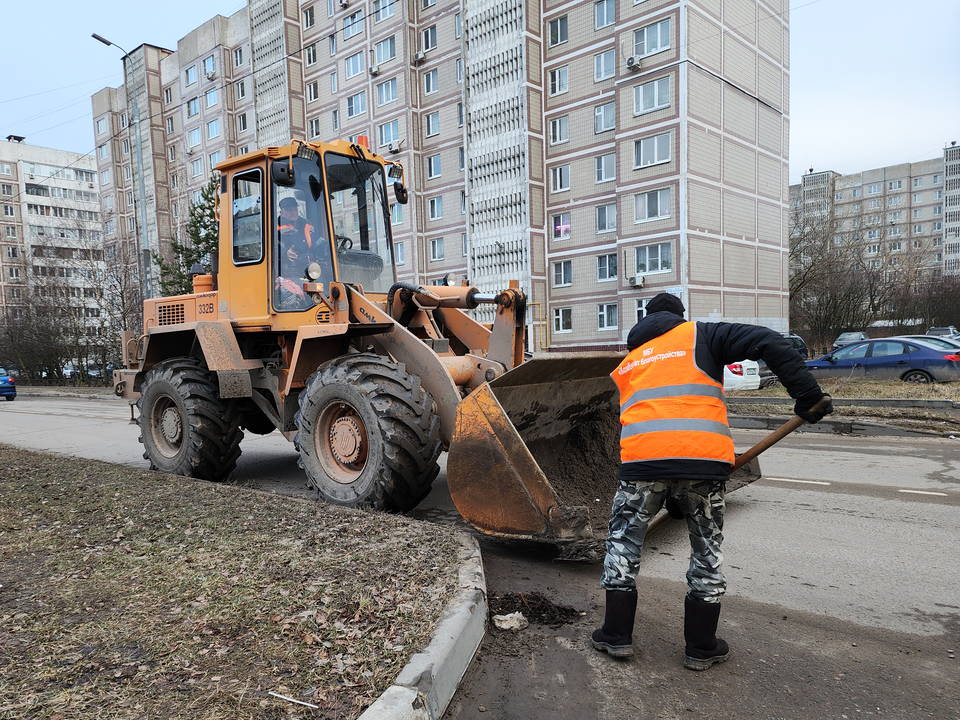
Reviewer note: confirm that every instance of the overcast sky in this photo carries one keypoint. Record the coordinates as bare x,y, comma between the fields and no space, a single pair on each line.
873,82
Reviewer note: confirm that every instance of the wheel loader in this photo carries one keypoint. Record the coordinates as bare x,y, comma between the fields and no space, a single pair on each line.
303,328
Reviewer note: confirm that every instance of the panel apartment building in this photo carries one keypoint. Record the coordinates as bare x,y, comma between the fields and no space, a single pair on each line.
49,234
900,216
597,152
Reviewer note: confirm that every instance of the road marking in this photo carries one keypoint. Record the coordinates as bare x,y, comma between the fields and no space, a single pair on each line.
802,482
923,492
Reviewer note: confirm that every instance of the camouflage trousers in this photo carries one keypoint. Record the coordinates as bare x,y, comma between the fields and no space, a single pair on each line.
702,503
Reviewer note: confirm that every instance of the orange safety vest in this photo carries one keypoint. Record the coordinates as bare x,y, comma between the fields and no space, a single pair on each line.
291,228
669,408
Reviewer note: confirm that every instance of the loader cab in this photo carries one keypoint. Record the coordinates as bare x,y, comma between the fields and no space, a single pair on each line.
332,223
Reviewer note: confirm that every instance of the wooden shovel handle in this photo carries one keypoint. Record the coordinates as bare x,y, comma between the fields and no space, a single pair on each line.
776,436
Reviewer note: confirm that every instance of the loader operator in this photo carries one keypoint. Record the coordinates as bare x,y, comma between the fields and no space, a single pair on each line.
675,445
299,246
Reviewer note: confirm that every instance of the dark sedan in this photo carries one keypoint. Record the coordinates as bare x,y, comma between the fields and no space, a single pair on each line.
888,360
8,386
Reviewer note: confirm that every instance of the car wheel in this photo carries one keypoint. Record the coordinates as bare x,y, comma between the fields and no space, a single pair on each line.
11,398
916,376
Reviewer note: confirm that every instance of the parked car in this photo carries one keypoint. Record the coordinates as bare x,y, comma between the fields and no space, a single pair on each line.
743,375
799,345
8,386
767,378
888,359
949,331
940,341
847,338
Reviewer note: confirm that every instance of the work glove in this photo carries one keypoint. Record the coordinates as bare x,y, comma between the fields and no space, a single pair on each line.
804,408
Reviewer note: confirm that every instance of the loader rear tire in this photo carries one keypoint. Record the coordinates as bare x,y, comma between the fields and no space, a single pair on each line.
186,429
368,434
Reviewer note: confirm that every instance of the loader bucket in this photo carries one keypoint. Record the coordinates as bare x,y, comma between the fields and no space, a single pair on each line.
535,452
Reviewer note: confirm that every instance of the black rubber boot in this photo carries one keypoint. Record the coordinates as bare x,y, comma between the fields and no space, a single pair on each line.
704,648
616,635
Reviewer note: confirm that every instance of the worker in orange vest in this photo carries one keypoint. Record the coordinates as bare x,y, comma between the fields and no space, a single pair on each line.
296,237
676,447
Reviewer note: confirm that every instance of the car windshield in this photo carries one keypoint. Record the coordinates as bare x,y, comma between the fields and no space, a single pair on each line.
848,337
852,351
2,371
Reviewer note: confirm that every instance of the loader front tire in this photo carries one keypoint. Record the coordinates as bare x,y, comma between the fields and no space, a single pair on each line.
186,429
368,434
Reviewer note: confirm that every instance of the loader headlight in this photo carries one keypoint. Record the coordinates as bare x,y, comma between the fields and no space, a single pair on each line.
313,271
395,171
451,279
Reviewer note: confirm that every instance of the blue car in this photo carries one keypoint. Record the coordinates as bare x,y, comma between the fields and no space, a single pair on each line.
889,359
8,386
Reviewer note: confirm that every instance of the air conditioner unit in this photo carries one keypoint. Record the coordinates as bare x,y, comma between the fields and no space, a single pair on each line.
419,56
189,151
211,75
394,146
374,69
344,3
90,185
635,281
633,62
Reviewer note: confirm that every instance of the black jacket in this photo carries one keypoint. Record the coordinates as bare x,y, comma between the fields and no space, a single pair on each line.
717,345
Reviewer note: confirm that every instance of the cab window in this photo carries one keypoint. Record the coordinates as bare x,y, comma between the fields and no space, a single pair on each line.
247,210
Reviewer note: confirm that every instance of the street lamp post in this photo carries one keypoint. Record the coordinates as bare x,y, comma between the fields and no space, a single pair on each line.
146,280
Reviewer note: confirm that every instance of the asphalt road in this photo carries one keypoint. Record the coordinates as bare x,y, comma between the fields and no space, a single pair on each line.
843,598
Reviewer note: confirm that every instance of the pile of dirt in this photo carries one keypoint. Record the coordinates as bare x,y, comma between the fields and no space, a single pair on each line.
535,607
586,467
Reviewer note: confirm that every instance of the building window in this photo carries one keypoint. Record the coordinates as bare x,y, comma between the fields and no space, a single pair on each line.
429,38
895,185
873,189
101,127
195,137
460,114
604,13
436,249
396,214
857,192
213,129
651,96
355,64
436,207
9,211
102,152
937,179
430,83
333,44
563,320
558,31
604,65
386,50
654,258
433,123
433,166
387,92
607,316
607,218
398,253
605,117
196,167
561,226
382,9
238,57
311,54
563,273
193,107
308,17
606,167
335,120
652,38
838,196
558,81
457,25
898,200
607,267
917,229
389,132
242,122
653,205
214,159
357,104
560,178
938,210
459,70
240,90
560,130
169,125
211,97
167,96
424,4
315,127
191,75
652,150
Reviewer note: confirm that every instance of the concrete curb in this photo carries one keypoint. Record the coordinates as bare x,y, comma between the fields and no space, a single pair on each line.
835,427
424,688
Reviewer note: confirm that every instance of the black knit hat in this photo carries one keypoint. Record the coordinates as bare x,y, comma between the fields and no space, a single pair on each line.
665,302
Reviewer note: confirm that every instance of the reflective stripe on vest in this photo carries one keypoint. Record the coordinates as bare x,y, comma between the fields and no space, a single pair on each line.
669,407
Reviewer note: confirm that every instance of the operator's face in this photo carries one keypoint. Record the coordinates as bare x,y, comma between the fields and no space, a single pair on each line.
290,213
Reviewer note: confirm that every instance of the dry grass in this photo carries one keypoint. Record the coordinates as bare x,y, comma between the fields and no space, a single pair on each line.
131,594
